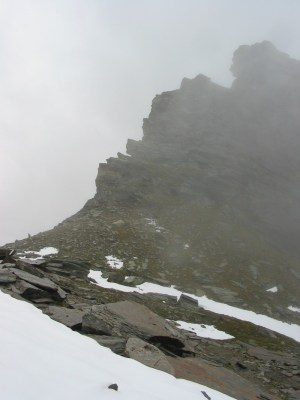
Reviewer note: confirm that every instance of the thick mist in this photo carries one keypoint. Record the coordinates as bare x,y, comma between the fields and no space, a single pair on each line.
78,78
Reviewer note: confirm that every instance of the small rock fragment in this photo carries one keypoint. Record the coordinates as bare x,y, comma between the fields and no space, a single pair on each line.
113,386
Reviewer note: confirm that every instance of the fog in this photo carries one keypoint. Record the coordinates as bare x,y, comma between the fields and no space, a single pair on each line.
78,77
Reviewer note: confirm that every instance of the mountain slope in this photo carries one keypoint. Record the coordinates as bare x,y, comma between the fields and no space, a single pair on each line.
209,198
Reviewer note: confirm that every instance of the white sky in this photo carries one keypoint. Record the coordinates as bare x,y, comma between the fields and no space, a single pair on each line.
77,78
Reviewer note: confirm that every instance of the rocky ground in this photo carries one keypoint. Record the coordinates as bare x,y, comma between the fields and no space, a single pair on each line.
256,364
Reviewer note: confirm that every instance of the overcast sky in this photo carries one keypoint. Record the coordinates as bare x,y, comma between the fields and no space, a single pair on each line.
78,76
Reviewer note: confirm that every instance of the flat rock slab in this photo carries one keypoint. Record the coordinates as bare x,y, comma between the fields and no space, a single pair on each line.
43,283
278,356
29,291
93,323
67,316
128,318
7,277
31,261
218,378
148,354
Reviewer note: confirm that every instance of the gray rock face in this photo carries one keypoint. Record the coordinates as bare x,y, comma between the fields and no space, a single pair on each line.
128,318
92,323
7,277
67,316
269,356
31,292
43,283
148,355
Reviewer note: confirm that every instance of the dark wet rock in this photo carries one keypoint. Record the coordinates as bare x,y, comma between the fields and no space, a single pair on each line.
29,291
67,316
205,395
113,386
241,365
6,255
148,354
92,323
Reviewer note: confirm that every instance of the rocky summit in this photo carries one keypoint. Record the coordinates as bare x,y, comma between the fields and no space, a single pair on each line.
207,201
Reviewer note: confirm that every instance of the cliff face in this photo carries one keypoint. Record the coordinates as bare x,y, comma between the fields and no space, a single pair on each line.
235,148
209,198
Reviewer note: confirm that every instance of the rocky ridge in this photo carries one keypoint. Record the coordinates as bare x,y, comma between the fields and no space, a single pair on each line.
207,200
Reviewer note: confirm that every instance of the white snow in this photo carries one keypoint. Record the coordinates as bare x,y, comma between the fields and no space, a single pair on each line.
284,328
295,309
273,289
42,359
45,251
114,262
202,330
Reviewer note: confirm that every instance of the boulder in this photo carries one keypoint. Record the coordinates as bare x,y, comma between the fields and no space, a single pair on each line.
128,318
148,354
187,301
30,268
67,316
92,323
29,291
134,280
7,277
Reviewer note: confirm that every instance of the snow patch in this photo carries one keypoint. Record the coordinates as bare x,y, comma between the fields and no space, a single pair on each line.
114,262
284,328
45,251
295,309
205,331
273,289
62,364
